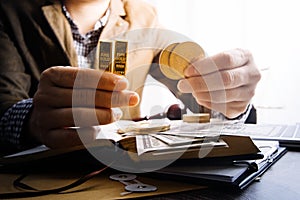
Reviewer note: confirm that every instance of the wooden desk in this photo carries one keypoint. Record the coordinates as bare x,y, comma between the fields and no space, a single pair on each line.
281,181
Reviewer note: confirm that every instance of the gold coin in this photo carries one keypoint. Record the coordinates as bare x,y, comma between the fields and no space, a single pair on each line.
165,65
196,118
165,53
183,54
176,57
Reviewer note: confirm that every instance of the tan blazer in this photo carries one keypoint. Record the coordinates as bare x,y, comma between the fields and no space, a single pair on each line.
35,35
130,20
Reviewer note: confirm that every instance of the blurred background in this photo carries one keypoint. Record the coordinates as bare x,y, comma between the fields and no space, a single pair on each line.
270,29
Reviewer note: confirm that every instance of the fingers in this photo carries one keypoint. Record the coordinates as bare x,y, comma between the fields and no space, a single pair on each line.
86,98
230,110
240,94
104,99
78,117
69,86
231,69
221,80
231,102
222,61
73,77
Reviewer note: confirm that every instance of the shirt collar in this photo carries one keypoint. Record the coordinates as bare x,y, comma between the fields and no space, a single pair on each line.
99,24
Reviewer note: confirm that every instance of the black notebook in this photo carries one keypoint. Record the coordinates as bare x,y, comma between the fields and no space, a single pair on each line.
236,173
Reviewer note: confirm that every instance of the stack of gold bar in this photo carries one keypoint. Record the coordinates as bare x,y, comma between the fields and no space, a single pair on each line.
113,56
176,57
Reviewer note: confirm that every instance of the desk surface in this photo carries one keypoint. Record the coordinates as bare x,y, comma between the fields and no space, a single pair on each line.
281,181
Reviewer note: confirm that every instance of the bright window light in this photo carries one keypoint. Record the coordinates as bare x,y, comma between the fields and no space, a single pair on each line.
268,28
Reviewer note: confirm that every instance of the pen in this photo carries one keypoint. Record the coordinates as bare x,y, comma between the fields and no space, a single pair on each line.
255,165
174,112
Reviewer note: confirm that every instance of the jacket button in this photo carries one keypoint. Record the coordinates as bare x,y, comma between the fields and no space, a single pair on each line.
119,23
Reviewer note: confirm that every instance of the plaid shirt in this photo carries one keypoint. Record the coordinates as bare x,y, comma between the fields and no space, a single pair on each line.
11,123
85,45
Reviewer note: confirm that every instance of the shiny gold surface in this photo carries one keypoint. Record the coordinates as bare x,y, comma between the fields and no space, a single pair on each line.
176,57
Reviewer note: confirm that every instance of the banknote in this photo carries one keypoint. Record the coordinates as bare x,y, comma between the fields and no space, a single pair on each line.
175,140
149,143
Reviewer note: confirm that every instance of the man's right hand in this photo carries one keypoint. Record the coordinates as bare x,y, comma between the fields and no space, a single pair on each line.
73,97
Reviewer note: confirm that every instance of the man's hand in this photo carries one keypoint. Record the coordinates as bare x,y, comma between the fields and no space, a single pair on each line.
225,82
73,97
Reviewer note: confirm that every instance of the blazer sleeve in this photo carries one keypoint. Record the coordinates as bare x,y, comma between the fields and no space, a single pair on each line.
14,82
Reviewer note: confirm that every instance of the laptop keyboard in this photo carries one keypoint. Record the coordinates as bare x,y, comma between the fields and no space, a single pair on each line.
289,132
287,135
297,132
273,131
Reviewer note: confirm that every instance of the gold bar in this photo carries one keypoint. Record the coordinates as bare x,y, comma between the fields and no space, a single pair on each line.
120,57
106,55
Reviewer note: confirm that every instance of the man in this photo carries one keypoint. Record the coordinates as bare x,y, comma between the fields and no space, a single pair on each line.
41,98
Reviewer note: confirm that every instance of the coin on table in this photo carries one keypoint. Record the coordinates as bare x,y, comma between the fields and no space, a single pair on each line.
196,118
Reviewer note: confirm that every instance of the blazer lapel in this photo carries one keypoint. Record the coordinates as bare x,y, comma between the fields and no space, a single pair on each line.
62,30
116,25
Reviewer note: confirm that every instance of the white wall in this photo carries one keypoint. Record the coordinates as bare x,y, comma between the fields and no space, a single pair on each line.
270,29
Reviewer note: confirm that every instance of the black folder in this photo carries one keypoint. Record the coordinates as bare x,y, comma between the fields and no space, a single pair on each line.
230,172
